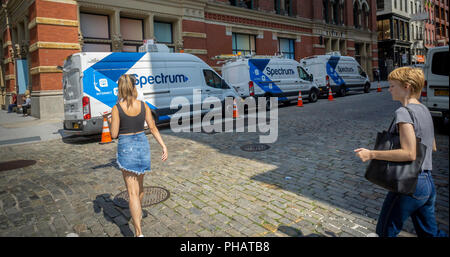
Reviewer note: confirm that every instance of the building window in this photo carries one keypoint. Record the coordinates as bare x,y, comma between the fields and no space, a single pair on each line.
163,34
288,7
395,29
277,6
242,3
286,47
395,4
380,4
326,11
95,31
243,43
335,12
384,29
356,15
132,31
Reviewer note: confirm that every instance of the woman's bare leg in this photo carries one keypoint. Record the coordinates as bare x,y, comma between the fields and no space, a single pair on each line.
132,183
141,187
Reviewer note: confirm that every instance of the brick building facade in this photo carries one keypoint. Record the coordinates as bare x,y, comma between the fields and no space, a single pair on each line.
42,33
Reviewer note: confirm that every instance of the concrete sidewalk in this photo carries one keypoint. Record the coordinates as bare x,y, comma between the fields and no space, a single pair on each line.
16,129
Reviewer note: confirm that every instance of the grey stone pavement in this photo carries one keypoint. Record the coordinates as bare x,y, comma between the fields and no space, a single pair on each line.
308,183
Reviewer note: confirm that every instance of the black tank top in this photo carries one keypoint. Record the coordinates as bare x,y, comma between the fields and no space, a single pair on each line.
131,124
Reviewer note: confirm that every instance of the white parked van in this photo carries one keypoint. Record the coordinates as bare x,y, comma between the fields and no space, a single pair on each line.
266,77
90,84
435,92
343,73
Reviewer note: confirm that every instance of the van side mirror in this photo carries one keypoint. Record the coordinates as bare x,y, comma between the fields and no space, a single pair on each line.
311,77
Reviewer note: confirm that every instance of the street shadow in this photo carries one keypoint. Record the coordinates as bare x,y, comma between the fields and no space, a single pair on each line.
115,214
112,163
294,232
313,156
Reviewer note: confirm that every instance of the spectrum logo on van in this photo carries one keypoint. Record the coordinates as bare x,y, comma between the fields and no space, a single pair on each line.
279,71
160,79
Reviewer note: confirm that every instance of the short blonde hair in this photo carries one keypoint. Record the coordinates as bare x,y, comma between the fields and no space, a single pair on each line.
411,76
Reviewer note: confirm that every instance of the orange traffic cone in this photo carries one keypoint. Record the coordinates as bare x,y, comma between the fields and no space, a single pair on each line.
106,135
235,110
379,87
330,94
300,100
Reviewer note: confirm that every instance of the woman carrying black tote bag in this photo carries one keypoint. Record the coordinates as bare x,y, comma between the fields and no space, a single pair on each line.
411,140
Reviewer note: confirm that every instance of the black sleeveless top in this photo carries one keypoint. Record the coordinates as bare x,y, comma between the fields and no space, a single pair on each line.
131,124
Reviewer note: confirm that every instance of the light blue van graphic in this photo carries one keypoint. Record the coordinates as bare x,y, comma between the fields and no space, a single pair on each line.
331,70
100,80
257,66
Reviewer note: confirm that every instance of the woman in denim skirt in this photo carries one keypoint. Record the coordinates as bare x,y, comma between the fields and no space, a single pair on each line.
133,150
405,86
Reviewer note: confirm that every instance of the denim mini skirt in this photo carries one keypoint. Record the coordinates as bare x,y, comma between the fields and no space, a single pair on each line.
133,153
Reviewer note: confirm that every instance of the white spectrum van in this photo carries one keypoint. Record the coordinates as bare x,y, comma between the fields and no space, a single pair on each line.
435,92
344,73
266,77
90,85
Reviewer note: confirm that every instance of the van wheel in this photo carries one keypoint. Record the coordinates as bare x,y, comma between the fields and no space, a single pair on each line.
342,91
366,88
313,96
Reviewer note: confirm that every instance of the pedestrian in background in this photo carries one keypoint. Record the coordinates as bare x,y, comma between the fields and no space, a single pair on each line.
13,103
405,86
133,149
27,103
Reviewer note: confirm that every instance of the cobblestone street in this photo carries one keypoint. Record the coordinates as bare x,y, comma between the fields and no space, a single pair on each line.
308,183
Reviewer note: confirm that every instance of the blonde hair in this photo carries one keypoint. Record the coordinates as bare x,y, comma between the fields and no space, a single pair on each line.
127,89
411,76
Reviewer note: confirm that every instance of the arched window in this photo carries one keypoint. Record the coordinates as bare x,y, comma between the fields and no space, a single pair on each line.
356,15
326,10
336,12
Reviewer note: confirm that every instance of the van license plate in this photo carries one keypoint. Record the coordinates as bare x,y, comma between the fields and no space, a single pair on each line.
75,125
441,92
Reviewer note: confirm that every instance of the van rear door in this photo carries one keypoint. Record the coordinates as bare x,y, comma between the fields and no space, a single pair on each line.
72,88
437,80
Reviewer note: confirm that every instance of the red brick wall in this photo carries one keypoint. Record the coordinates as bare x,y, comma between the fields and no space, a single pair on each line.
266,5
9,67
317,11
373,15
304,48
303,8
194,26
47,81
350,44
51,33
217,42
55,10
266,45
348,15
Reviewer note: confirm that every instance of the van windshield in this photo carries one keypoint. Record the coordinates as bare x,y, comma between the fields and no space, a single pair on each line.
213,80
302,73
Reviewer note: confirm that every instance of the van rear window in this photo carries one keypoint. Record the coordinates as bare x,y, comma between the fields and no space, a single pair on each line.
440,63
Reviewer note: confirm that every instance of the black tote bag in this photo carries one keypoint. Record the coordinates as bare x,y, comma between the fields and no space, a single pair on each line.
400,177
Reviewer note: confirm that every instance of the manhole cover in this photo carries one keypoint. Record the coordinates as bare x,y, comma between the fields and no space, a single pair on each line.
152,195
17,164
255,147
